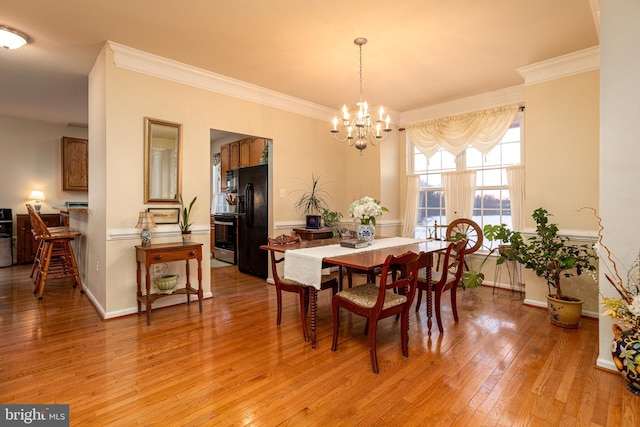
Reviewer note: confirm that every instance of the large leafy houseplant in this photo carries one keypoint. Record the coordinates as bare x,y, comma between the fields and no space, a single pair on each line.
550,255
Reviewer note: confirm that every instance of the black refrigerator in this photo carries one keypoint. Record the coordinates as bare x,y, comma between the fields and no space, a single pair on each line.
253,184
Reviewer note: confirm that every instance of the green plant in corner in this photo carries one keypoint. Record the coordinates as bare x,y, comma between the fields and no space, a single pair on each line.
493,233
552,256
185,212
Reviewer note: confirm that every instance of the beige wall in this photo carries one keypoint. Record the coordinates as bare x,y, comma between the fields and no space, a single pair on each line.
301,145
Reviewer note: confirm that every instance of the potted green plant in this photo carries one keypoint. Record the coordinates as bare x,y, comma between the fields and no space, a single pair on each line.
331,219
185,225
551,257
312,202
493,233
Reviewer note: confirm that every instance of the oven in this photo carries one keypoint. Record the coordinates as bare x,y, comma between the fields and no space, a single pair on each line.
224,248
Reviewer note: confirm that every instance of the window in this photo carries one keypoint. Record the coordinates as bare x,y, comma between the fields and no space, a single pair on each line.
491,205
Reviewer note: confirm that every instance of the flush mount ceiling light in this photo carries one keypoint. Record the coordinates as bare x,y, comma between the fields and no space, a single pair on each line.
10,38
361,131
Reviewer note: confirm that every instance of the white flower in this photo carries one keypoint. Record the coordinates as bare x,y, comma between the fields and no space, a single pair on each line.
634,307
366,210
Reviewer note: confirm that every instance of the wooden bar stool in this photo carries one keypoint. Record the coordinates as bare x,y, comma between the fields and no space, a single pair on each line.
53,230
56,259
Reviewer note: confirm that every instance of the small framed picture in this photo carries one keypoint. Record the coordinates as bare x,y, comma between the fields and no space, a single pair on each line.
165,215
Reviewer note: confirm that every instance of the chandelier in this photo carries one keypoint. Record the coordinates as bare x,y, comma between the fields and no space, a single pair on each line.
361,130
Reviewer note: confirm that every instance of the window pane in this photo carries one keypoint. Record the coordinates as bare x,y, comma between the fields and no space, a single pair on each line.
511,154
448,161
512,135
474,158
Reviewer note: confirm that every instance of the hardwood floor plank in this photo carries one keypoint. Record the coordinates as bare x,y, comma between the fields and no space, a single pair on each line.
502,364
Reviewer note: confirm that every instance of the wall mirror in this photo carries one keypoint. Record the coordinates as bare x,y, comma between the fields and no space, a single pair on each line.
162,161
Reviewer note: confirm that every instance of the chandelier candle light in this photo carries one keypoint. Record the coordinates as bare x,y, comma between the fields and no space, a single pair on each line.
361,131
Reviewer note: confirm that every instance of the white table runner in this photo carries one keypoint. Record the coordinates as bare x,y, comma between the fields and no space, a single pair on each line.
305,265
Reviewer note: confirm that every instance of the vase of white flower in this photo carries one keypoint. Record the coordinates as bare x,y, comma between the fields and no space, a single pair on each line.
365,232
366,210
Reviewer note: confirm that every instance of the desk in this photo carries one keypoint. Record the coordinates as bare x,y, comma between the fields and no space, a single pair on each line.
363,260
161,253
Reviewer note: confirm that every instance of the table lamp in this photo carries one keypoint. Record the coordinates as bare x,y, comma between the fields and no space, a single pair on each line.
37,196
145,222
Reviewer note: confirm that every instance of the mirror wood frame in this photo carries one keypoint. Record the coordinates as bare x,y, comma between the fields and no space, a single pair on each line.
162,135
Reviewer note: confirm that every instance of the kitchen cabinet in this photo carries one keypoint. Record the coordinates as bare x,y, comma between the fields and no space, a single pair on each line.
224,166
75,164
26,244
234,155
239,154
255,151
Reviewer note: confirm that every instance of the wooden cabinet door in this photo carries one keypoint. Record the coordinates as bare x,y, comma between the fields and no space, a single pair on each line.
245,154
75,164
256,147
224,165
234,155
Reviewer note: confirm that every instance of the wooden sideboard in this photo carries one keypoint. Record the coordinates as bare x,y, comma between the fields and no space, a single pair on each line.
26,244
313,233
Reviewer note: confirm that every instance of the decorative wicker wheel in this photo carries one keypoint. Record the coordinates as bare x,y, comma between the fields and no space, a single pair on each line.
467,229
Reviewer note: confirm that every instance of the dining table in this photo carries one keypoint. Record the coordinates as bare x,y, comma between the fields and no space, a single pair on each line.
328,252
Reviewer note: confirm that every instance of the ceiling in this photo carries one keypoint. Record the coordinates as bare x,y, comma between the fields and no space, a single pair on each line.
420,52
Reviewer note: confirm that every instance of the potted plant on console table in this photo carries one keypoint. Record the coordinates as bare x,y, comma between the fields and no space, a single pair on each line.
311,202
552,257
185,225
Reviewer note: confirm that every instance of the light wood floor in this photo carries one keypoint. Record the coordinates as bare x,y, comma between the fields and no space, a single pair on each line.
503,364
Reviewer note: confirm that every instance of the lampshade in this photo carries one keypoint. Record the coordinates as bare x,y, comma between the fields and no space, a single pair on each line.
11,38
36,195
145,221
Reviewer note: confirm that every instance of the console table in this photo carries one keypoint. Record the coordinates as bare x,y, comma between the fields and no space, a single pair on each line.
161,253
314,233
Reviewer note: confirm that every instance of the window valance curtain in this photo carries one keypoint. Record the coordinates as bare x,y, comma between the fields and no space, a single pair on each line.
481,129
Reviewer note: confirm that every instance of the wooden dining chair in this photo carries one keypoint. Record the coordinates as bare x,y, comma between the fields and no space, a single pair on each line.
56,259
446,278
377,302
292,286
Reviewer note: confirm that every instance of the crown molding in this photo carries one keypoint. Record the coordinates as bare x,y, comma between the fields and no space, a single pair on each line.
561,66
131,59
510,95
